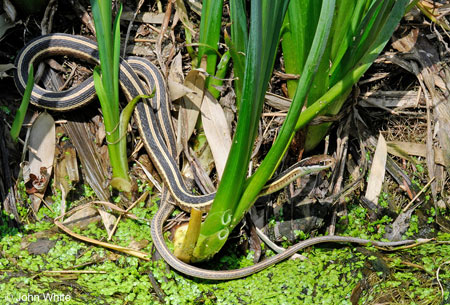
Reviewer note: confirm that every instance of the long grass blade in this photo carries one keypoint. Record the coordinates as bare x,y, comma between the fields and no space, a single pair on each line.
107,87
265,25
300,22
116,57
345,84
101,11
210,26
272,159
20,115
103,98
238,43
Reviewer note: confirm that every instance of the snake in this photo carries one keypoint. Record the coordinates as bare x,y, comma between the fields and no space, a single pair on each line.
153,119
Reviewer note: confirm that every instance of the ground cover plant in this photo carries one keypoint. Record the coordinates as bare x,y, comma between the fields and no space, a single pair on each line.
387,135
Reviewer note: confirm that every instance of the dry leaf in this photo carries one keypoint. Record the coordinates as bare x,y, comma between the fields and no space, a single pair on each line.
277,101
389,99
138,245
10,10
4,68
146,17
5,24
176,69
399,226
99,130
82,218
176,79
377,171
404,149
177,90
140,50
36,200
184,17
41,246
108,220
37,171
196,6
42,144
228,102
66,168
413,44
442,116
216,131
93,161
190,107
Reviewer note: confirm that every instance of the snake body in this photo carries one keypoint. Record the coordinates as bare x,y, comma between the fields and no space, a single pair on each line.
155,127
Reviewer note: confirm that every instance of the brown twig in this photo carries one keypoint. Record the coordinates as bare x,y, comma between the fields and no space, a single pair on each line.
140,199
72,73
164,27
130,25
418,195
129,251
74,271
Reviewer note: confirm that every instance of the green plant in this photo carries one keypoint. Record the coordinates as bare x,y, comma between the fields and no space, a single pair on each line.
210,26
107,86
236,193
238,44
106,81
360,31
356,40
20,115
413,226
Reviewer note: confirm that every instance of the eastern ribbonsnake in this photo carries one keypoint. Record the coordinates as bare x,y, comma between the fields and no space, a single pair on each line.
154,123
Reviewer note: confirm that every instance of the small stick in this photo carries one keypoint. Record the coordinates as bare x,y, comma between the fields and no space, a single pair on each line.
417,195
149,176
130,25
140,199
74,271
72,73
437,277
144,40
161,36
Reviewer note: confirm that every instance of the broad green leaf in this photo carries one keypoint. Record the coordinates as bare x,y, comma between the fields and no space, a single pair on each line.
103,99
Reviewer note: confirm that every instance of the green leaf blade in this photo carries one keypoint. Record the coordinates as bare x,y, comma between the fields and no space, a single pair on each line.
255,81
272,159
20,115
